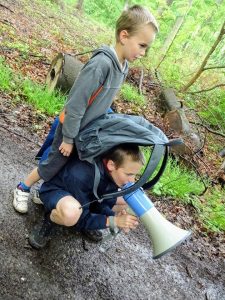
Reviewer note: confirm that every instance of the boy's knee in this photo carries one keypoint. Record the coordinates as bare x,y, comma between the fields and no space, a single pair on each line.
70,213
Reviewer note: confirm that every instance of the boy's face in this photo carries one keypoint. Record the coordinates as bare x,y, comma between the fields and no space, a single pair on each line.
135,46
125,173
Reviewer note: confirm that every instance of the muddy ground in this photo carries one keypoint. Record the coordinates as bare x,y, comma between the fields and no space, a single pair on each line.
65,271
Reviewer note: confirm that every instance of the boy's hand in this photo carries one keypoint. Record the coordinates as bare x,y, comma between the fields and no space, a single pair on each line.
120,201
126,221
66,149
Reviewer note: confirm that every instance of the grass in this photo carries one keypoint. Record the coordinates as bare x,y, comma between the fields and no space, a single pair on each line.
6,77
185,186
26,90
211,210
41,98
178,182
213,108
130,93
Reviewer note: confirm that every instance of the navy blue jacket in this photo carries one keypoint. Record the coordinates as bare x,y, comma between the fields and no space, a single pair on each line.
77,178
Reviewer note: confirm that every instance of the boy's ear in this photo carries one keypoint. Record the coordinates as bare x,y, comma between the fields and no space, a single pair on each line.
110,165
123,35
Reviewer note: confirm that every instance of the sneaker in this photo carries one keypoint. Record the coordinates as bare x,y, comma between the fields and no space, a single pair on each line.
41,234
36,199
92,235
20,201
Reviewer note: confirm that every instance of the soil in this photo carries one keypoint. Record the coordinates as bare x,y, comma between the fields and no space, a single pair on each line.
64,270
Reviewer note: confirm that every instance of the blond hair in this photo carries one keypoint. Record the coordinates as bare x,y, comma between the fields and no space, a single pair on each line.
133,18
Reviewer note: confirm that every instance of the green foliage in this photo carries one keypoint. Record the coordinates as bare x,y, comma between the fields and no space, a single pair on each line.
213,108
33,93
5,76
178,182
105,12
184,185
211,210
41,98
23,47
130,93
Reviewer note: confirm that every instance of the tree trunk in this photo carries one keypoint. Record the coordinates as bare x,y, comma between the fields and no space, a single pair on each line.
127,4
191,37
170,38
60,3
79,5
201,69
169,2
172,35
162,9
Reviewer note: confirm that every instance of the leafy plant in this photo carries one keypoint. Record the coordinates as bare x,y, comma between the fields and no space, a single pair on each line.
177,181
213,108
104,11
41,98
211,210
19,46
130,93
5,76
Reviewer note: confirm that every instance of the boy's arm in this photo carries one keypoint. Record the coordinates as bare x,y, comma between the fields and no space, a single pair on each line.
88,81
104,208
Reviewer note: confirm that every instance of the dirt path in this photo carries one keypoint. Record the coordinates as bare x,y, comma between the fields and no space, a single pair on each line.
65,271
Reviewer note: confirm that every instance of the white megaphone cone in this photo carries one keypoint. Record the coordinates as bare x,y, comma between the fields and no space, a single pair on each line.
164,235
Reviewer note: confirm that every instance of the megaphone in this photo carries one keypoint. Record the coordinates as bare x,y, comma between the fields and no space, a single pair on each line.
164,235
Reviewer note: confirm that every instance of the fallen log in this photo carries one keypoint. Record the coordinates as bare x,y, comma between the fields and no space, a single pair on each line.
62,73
176,120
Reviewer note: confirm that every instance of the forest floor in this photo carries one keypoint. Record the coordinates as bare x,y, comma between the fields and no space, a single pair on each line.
64,270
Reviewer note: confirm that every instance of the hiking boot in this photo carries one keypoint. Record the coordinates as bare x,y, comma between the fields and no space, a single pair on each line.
92,235
36,199
20,201
41,233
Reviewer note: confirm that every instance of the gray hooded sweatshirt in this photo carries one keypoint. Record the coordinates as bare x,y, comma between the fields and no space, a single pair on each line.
103,69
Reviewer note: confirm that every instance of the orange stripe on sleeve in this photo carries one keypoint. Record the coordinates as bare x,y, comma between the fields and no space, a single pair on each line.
92,98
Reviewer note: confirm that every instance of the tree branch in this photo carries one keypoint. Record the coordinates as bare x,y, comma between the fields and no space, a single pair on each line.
6,22
209,129
199,72
6,7
140,83
207,90
213,67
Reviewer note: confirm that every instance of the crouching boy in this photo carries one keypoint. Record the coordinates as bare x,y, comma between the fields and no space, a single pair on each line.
67,196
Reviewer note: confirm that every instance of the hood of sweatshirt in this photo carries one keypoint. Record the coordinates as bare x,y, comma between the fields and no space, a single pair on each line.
108,51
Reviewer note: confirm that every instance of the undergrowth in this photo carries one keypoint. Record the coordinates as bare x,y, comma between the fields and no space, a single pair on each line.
211,210
130,93
187,187
25,89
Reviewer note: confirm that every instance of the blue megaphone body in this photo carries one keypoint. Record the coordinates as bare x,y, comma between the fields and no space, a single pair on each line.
164,235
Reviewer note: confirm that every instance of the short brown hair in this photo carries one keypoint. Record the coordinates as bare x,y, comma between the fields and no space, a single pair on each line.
134,17
119,153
